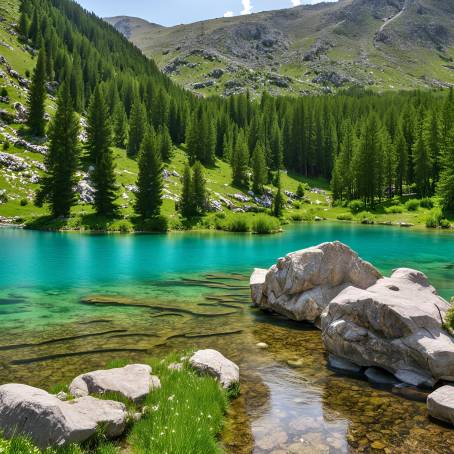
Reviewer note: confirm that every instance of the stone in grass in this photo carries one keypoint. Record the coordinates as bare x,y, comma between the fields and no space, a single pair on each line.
133,382
440,404
218,366
48,421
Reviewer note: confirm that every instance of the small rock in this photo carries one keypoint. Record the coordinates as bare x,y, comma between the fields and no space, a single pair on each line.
262,345
175,366
440,404
62,396
215,364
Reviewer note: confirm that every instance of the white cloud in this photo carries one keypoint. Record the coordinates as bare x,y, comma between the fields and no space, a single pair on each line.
247,7
229,14
296,2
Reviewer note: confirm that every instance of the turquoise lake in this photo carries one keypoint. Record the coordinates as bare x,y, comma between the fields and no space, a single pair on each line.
72,302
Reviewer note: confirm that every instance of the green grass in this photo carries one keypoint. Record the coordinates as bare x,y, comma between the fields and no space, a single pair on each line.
184,416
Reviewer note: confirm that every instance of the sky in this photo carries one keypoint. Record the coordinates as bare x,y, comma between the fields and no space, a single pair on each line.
174,12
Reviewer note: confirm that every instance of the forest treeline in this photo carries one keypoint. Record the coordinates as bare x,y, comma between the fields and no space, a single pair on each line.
370,146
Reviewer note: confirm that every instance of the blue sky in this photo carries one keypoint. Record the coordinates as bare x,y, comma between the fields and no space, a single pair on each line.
173,12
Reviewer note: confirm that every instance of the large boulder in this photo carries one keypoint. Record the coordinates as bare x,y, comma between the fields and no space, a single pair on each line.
440,404
50,422
133,382
302,284
395,324
213,363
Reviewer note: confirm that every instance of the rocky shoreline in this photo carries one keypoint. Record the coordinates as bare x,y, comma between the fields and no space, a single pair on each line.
391,329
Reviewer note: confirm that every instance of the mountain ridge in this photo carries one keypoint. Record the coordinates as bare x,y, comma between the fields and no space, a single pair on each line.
379,44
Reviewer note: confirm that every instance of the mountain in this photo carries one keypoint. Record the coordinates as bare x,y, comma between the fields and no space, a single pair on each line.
381,44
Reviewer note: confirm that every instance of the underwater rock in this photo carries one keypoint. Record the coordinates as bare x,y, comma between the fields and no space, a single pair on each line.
50,422
218,366
302,284
343,364
396,325
441,404
133,382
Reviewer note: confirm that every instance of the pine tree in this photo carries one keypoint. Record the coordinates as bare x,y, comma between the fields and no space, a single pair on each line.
402,161
99,139
199,189
259,170
165,143
62,160
278,202
37,97
187,200
422,165
445,187
150,180
120,122
239,162
137,124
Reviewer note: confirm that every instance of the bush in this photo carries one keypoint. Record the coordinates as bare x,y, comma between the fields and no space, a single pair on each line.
448,322
394,209
412,205
366,217
300,191
434,218
296,217
237,223
157,224
296,205
426,203
3,196
265,224
23,202
356,206
445,224
4,92
345,217
6,145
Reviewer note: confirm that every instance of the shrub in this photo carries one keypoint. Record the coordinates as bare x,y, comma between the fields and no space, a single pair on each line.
4,92
394,209
300,191
157,224
265,224
448,322
6,145
426,203
445,224
296,205
237,223
412,205
366,217
296,217
434,218
3,196
23,202
345,217
356,206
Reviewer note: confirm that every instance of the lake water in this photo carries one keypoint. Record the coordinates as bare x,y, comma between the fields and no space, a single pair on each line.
73,302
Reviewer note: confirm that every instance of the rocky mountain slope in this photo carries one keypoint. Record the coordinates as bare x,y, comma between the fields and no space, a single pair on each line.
381,44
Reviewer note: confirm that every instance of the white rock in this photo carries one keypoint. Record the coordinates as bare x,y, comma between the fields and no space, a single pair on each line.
441,404
394,324
133,382
302,284
50,422
215,364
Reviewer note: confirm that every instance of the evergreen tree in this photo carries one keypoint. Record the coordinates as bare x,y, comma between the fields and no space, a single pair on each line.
445,187
99,139
57,187
278,202
187,200
37,97
259,170
137,124
150,180
239,162
422,165
120,123
401,157
199,189
165,143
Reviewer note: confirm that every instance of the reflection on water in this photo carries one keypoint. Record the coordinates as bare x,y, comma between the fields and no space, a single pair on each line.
290,401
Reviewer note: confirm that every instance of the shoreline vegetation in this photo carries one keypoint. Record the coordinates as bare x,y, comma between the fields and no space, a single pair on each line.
186,414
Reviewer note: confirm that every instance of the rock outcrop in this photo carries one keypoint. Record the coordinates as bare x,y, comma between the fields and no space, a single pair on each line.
213,363
396,325
50,422
133,382
302,284
440,404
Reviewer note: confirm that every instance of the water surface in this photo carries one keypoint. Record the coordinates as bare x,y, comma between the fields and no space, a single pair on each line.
73,302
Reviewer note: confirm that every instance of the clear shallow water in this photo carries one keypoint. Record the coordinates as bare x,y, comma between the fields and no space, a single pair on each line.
72,302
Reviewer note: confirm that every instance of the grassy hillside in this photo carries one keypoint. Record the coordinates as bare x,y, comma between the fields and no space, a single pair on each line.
381,44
